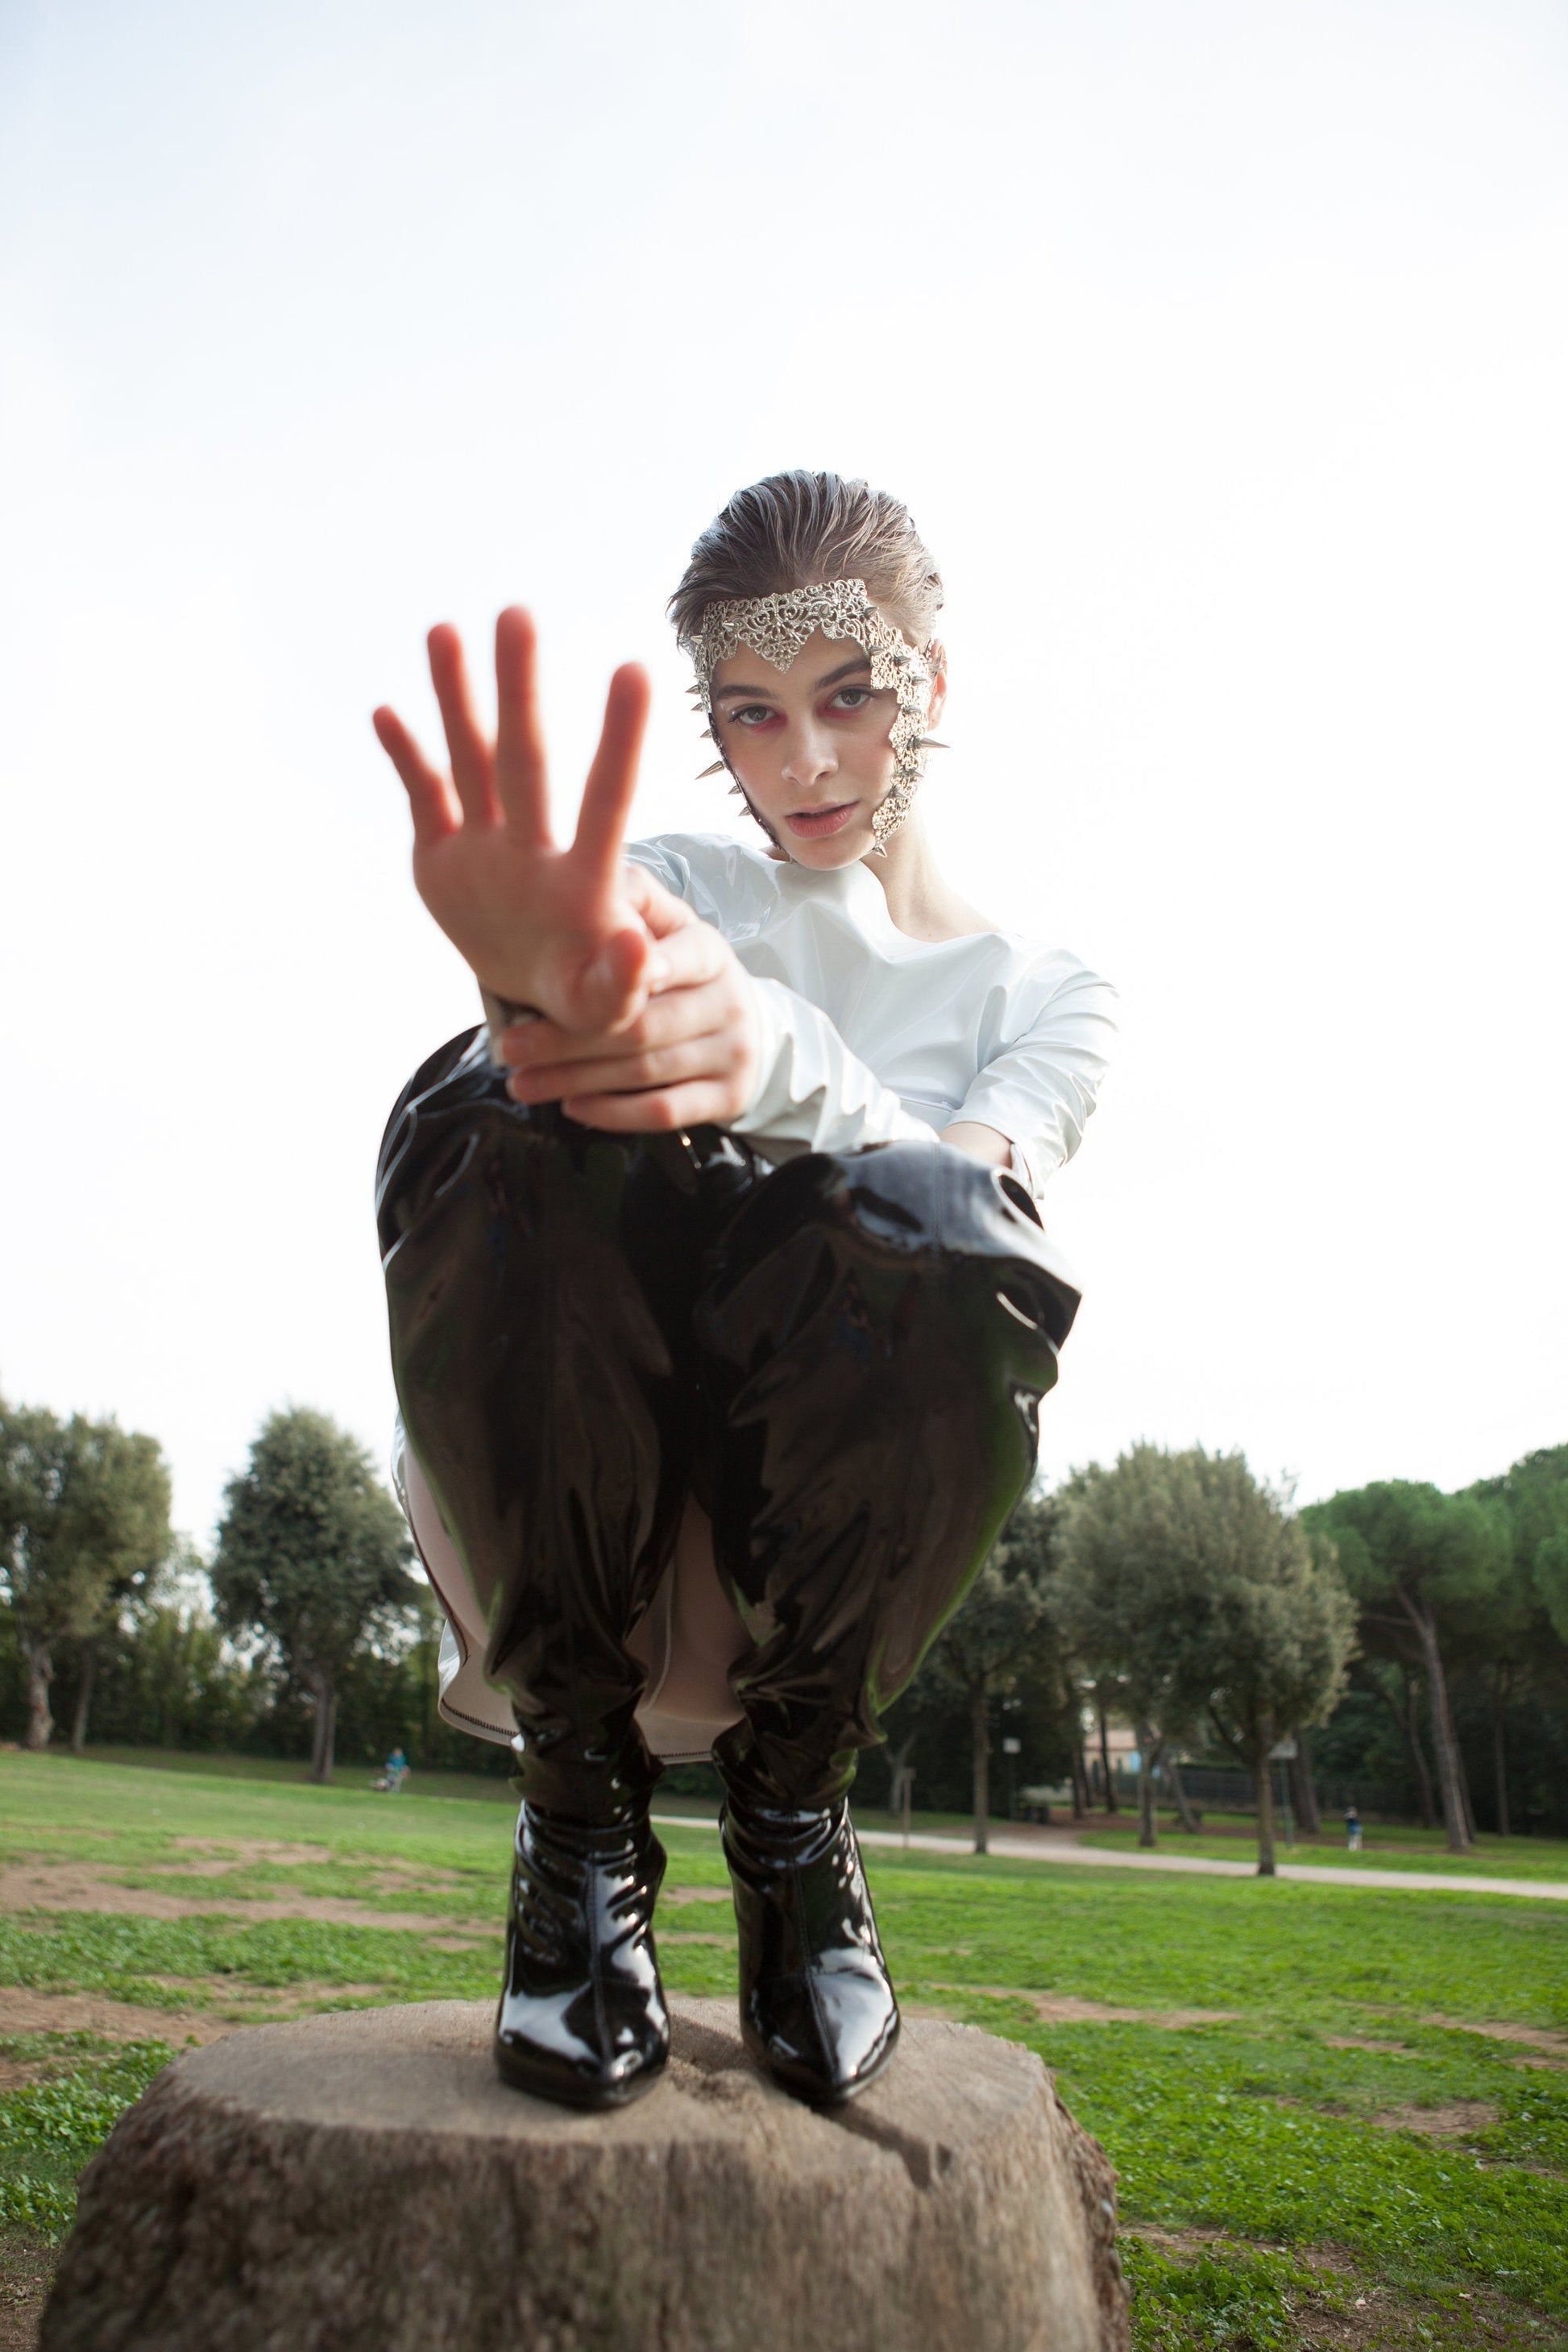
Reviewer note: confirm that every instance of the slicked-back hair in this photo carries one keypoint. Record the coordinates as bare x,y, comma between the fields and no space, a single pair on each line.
796,529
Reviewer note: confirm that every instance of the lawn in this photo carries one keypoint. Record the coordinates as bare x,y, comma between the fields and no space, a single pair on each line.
1339,2114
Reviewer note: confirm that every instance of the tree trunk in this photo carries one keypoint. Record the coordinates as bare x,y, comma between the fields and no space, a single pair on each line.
1263,1775
1303,1791
41,1674
1465,1797
1500,1763
1189,1819
1110,1804
1449,1783
981,1719
1145,1785
1410,1725
324,1737
88,1669
897,1760
1080,1779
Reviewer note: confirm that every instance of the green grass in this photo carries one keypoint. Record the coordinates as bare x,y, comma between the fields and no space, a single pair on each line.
1269,2178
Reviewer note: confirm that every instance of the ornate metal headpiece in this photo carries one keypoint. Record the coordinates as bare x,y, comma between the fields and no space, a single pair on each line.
777,627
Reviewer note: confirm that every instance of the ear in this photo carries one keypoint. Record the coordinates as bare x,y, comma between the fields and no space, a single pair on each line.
936,655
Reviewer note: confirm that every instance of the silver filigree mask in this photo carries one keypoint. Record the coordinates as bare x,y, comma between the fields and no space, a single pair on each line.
777,627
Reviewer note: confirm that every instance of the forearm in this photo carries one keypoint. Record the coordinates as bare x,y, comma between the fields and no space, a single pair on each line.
986,1144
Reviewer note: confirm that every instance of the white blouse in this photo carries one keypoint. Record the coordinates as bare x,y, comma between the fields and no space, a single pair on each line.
869,1036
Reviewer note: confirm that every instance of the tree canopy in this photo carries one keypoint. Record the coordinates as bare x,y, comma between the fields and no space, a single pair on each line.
312,1557
1199,1590
84,1519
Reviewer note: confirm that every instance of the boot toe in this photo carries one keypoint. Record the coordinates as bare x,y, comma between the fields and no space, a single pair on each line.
581,2051
825,2034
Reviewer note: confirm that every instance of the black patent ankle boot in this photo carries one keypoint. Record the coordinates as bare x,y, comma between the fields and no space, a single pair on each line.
817,2010
582,2017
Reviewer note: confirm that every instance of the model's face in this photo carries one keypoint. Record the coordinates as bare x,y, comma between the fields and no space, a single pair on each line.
810,745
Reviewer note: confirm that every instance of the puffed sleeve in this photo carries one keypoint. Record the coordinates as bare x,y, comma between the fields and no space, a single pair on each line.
1038,1088
812,1094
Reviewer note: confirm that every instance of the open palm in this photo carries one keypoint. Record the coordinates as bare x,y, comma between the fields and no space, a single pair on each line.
560,929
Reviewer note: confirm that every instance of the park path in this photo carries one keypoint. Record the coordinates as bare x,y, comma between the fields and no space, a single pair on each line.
1063,1848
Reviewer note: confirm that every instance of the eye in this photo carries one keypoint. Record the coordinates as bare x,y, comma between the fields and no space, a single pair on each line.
851,698
752,714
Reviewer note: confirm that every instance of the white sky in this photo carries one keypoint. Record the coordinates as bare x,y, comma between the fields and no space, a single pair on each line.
1222,353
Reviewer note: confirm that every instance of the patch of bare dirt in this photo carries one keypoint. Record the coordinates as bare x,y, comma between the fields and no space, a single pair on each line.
27,2273
1063,2008
692,1936
68,1886
115,2020
16,2074
1366,2041
286,1853
1459,2119
696,1895
1531,2037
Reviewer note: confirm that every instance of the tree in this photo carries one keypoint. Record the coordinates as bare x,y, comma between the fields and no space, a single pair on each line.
312,1559
981,1651
1529,1619
1281,1627
1128,1591
1196,1584
1414,1557
84,1515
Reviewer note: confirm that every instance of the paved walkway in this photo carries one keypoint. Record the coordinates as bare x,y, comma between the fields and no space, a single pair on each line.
1044,1847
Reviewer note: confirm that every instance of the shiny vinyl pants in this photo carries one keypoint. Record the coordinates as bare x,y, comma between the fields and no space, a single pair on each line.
840,1357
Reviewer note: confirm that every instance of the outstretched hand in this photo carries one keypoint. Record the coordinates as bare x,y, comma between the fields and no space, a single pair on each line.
560,929
648,1021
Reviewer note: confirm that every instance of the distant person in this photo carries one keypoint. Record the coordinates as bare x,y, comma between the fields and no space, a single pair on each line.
1353,1830
397,1770
720,1301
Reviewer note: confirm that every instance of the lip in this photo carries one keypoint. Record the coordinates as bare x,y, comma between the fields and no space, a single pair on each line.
813,823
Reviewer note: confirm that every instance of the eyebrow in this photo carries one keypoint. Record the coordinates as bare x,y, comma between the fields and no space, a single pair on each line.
834,677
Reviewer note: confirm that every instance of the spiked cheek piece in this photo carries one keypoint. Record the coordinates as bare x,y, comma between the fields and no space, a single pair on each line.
777,627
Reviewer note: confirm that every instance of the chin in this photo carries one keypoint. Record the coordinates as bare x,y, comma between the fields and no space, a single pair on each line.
839,849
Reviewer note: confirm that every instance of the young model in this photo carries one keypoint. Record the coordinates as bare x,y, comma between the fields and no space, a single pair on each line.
720,1304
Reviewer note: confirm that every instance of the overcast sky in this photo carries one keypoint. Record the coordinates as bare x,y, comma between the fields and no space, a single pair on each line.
1221,353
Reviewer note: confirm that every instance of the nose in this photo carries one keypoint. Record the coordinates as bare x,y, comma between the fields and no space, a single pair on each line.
810,759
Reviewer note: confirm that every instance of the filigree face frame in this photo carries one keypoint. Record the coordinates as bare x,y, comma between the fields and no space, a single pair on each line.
777,627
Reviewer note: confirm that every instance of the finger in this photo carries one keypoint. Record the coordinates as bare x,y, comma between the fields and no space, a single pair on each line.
697,1057
521,783
666,1020
660,908
431,799
706,1102
472,762
689,956
612,778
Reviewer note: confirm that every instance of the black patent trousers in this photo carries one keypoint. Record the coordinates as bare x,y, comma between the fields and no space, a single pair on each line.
841,1357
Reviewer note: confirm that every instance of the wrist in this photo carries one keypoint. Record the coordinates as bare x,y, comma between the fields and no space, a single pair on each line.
501,1014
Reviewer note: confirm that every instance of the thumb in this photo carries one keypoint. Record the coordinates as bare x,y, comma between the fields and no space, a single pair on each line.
615,984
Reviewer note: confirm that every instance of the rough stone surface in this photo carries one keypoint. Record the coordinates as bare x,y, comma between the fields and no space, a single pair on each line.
361,2182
